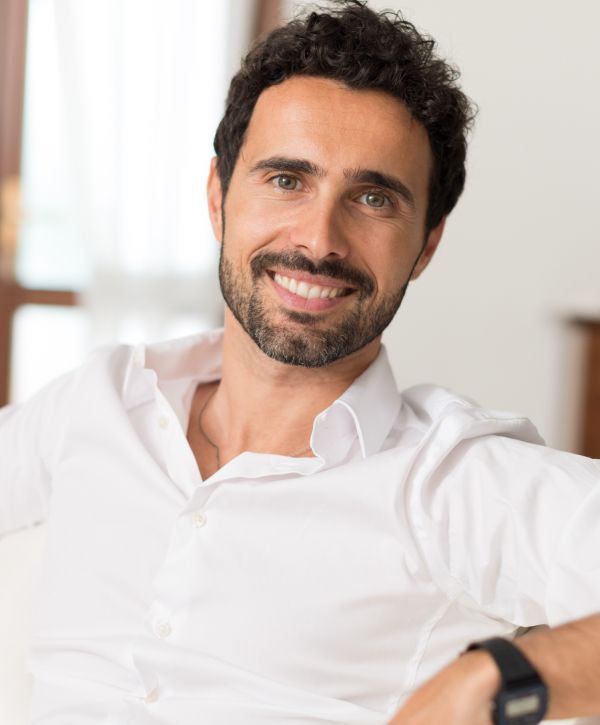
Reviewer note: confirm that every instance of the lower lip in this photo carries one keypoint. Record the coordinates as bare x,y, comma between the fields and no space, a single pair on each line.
317,304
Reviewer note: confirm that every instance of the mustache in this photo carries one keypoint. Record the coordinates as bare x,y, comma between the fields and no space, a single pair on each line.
296,262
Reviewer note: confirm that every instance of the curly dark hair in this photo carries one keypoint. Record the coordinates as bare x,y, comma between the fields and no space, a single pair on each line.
354,45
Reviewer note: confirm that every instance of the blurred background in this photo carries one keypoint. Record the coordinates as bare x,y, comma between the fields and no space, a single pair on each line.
107,113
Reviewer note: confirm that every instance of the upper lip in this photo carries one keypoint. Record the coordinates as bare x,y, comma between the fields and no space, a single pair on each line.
311,279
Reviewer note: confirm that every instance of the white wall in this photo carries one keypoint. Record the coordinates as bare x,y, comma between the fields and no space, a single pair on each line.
522,247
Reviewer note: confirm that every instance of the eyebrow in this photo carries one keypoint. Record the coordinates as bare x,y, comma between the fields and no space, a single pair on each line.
360,175
282,163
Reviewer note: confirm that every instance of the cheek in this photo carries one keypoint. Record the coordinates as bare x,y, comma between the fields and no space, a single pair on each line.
252,223
392,270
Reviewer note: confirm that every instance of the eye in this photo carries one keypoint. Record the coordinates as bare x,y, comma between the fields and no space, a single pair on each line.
375,199
286,182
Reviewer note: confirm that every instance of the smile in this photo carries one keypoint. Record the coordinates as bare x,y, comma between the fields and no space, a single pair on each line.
303,294
309,292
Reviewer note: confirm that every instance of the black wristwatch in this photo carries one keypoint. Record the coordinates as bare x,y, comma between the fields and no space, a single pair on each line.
523,696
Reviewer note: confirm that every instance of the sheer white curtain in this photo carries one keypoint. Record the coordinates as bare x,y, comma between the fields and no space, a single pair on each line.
122,101
143,85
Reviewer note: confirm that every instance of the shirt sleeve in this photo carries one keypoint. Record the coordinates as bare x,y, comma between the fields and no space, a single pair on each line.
30,435
513,528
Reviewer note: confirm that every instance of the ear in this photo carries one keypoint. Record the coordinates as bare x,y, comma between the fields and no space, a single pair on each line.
214,194
433,240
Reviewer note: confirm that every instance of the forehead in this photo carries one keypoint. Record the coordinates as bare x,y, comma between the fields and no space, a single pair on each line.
325,121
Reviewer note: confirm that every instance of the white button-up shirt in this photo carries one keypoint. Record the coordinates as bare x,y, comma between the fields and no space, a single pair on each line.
302,590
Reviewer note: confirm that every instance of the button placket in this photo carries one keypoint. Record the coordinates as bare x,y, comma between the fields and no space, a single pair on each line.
181,466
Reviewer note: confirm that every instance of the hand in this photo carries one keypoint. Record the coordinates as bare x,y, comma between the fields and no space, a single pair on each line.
460,694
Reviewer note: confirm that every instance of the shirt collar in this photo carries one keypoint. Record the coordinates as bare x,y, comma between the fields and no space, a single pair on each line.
373,402
196,357
365,411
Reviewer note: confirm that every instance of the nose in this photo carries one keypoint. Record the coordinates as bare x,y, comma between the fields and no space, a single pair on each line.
320,232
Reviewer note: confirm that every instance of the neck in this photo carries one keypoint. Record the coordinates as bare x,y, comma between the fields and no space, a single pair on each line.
267,406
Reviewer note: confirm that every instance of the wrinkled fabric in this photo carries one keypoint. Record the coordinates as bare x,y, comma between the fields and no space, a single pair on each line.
306,590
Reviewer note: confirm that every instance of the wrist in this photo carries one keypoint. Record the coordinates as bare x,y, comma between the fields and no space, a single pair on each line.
483,673
521,697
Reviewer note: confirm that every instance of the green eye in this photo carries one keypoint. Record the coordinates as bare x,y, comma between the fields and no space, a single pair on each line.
288,183
374,199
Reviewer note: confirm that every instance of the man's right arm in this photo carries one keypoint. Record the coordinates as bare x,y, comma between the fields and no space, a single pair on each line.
29,439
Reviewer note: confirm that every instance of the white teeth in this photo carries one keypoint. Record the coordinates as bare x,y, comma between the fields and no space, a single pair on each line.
304,290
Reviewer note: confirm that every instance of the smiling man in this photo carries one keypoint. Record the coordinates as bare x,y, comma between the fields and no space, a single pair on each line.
320,239
253,525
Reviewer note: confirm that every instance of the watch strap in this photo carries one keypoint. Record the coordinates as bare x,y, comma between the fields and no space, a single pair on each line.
514,667
522,698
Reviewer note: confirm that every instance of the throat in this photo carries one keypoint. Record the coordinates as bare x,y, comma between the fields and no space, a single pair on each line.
213,446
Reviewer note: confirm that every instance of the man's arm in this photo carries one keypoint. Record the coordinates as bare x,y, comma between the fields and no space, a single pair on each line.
515,526
567,658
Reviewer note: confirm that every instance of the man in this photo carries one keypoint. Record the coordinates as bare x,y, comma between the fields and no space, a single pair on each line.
253,526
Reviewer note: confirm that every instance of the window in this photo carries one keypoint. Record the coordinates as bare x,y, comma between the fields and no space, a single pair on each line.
121,102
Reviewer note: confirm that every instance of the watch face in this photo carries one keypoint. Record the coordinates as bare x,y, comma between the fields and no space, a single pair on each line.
524,705
521,706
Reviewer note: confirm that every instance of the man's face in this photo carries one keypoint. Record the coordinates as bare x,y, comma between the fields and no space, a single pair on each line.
325,219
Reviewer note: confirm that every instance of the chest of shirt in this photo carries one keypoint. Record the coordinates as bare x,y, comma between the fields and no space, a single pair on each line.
299,578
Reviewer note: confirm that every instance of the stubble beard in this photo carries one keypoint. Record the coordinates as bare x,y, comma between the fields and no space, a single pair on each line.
313,345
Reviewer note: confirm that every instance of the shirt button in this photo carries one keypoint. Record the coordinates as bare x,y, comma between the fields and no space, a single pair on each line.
162,629
198,519
163,422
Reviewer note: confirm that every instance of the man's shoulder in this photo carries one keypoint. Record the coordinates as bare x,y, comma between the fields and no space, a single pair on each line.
445,415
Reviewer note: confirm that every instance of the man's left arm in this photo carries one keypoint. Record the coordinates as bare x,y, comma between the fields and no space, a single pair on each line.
567,658
524,542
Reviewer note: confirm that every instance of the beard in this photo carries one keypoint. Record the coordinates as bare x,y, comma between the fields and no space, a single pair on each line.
316,344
